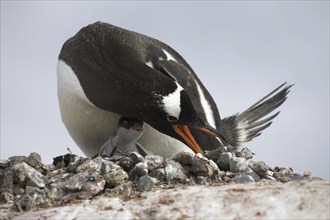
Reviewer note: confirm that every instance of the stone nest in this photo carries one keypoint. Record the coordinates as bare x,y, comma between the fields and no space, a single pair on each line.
27,183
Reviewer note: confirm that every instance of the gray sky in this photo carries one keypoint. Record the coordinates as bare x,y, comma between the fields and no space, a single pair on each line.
240,50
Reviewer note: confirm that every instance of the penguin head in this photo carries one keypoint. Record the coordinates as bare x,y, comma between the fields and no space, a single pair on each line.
129,129
131,123
177,116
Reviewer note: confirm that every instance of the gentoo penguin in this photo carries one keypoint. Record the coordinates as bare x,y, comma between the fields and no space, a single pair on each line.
105,72
128,131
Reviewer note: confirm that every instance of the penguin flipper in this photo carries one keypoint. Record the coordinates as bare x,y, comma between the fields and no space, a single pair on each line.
250,123
141,150
108,149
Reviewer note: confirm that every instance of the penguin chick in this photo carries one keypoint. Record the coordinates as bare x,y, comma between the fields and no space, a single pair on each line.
129,130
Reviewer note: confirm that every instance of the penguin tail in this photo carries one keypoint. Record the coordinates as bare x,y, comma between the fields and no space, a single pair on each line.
245,126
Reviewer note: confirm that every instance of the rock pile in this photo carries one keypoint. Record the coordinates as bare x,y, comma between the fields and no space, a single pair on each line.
25,182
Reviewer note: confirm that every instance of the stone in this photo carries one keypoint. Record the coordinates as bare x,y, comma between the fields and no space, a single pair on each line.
237,164
154,162
201,166
307,174
113,174
34,160
32,198
223,161
215,154
4,164
55,180
260,167
287,177
136,157
6,185
228,176
201,180
245,153
126,163
94,164
146,183
24,174
6,197
126,188
85,181
243,178
73,165
253,174
47,168
184,158
16,159
174,171
283,170
140,169
108,166
171,171
60,165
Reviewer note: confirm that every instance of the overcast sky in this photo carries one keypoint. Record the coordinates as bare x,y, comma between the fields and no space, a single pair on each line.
240,50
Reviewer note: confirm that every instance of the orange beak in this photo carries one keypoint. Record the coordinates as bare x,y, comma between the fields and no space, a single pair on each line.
184,132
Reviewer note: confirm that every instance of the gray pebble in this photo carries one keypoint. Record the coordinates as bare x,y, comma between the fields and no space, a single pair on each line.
223,160
126,188
237,164
146,183
214,154
108,166
72,167
184,158
140,169
287,177
243,178
253,174
24,174
85,181
136,157
126,163
201,166
16,159
171,171
154,162
31,199
113,174
245,153
174,171
94,164
34,160
4,164
6,185
260,167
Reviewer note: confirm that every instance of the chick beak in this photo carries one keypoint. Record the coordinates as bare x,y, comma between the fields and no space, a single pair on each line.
138,127
184,132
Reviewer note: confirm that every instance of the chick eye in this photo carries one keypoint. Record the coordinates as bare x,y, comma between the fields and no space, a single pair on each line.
171,118
125,123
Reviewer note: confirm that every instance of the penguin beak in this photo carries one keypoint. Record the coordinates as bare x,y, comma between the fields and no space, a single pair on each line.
184,132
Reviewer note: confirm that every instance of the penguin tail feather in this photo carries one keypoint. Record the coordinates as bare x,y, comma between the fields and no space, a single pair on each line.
250,123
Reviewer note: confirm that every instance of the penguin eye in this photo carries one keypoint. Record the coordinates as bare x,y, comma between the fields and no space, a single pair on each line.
171,118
